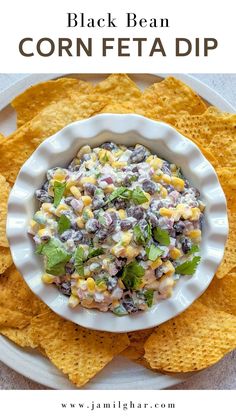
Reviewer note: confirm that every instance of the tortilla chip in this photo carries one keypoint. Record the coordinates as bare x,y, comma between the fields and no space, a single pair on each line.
78,352
22,143
5,190
13,318
215,131
168,99
2,137
119,108
135,350
227,177
21,337
118,88
221,294
15,294
229,261
5,259
194,340
33,100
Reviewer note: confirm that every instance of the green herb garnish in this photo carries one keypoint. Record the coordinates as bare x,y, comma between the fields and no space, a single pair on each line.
56,256
189,267
139,236
153,252
132,275
79,260
148,294
117,193
95,252
138,196
161,236
63,223
59,189
194,249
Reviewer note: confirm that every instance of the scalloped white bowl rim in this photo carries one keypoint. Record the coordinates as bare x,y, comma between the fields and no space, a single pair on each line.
129,129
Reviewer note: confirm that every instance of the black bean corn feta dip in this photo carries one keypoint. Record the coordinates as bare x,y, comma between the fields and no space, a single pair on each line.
117,228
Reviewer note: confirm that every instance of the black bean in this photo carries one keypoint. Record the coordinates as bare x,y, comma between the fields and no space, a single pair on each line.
159,272
101,235
126,225
111,283
75,168
129,178
66,235
43,196
136,212
201,220
152,218
109,146
166,168
120,263
138,155
140,258
78,237
70,268
97,202
169,188
46,186
179,227
65,288
129,305
149,186
85,157
186,245
45,238
120,203
135,169
68,200
92,225
90,189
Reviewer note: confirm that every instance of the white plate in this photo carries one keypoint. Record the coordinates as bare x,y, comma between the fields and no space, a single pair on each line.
120,373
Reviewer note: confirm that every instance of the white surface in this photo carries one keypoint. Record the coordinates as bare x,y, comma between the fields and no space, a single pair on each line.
129,130
220,376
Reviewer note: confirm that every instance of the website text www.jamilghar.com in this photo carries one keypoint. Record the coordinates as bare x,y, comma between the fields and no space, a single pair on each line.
118,404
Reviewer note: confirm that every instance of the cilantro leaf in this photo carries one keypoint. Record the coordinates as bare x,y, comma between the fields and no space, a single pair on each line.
194,249
148,294
138,196
132,275
79,260
153,252
161,236
59,189
189,267
56,256
139,236
63,223
117,193
95,252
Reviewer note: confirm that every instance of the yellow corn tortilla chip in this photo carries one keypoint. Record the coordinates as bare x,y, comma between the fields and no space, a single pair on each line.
78,352
119,108
168,99
135,350
21,337
215,131
221,294
118,88
1,137
33,100
194,340
13,318
15,294
21,144
5,259
5,190
229,260
227,177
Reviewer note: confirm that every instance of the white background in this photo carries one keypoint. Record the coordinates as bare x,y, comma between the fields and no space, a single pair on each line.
204,18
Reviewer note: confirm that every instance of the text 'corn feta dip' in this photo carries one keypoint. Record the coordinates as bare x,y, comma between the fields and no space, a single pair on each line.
117,228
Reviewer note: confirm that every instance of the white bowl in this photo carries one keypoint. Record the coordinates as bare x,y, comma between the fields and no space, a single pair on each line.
59,150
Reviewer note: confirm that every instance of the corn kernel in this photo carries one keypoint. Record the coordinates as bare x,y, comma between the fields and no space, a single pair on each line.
33,224
122,214
149,159
69,184
73,301
48,279
156,163
118,164
87,200
194,234
88,213
195,214
76,192
42,232
120,283
109,188
145,205
156,177
80,222
170,268
115,303
90,284
164,192
88,179
86,149
131,252
175,253
126,238
101,286
156,263
166,179
118,153
105,156
117,250
177,183
60,208
59,175
166,212
47,207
